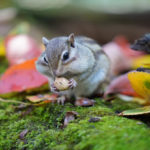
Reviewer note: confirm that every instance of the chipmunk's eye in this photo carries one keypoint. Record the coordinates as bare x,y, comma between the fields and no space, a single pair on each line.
65,56
45,60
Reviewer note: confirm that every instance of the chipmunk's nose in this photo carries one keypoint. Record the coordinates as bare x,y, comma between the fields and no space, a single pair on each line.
56,73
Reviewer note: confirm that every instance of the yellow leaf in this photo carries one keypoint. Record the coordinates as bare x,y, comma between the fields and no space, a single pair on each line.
141,61
2,48
140,82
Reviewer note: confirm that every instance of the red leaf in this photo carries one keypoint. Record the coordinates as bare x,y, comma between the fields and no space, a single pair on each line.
125,47
21,77
120,54
120,85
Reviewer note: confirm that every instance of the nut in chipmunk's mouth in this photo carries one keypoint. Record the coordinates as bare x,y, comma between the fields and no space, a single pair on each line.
61,84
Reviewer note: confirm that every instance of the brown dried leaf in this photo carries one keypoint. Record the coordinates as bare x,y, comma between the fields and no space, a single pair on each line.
85,102
70,115
42,97
23,134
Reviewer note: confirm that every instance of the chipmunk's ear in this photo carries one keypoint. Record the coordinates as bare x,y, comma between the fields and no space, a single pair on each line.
71,39
45,41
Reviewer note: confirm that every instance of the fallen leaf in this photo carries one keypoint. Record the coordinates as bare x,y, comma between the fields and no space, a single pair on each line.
23,134
42,97
70,116
137,111
140,82
141,61
21,77
85,102
120,85
43,103
2,47
120,54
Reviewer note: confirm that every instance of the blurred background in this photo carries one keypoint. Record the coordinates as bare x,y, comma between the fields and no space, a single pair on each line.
99,19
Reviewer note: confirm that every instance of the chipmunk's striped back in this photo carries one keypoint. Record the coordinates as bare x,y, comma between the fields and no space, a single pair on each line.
79,58
90,43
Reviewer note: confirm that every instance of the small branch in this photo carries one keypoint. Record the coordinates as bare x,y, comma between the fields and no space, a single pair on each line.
13,101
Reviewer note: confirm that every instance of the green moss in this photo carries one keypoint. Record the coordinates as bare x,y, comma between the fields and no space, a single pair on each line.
45,132
120,105
4,65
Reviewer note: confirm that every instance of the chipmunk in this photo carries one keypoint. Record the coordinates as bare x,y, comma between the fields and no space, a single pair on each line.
77,58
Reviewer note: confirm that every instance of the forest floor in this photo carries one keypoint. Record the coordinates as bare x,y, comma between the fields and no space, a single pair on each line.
40,127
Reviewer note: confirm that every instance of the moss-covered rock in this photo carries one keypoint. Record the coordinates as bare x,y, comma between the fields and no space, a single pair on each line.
45,132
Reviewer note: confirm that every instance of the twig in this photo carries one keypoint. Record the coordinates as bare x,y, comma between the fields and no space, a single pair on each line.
13,101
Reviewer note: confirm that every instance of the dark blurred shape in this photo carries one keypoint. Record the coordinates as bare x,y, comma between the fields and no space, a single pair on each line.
94,119
142,44
141,69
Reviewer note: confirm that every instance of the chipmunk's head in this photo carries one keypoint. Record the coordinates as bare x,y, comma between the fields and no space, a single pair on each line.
64,57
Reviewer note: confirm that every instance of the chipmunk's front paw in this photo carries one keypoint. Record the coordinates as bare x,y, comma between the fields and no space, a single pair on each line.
72,83
54,89
61,100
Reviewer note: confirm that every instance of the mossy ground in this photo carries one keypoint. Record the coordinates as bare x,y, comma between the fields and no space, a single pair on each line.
45,133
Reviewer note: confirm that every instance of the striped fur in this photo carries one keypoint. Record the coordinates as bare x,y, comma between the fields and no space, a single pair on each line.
89,65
